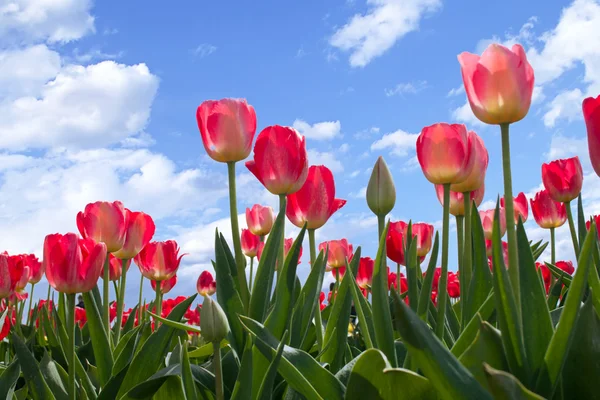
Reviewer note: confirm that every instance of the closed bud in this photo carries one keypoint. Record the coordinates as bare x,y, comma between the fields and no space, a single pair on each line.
213,321
381,192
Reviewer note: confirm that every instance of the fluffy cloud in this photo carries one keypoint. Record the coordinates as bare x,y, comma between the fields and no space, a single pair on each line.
406,88
319,131
400,143
327,159
369,35
23,72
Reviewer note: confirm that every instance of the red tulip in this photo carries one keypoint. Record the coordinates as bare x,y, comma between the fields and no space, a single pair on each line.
591,115
250,243
547,212
260,219
487,220
19,275
165,286
489,250
280,160
587,225
321,300
393,281
193,315
104,222
159,261
287,245
395,242
206,284
444,152
499,84
453,285
339,252
227,128
457,205
315,202
4,276
423,233
478,166
521,207
80,316
138,233
563,179
364,276
72,265
566,266
115,267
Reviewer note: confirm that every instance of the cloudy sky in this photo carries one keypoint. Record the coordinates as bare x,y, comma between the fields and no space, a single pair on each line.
98,100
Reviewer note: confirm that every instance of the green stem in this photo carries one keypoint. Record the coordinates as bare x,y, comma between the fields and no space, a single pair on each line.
116,287
240,259
158,302
572,228
336,287
467,257
106,296
513,260
140,308
318,319
380,226
461,248
398,277
121,300
282,205
218,371
48,296
30,300
251,272
443,281
552,246
71,353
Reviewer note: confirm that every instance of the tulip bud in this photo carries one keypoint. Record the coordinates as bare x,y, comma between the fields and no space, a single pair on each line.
381,192
213,321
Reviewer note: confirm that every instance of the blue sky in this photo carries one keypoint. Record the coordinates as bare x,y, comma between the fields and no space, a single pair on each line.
98,99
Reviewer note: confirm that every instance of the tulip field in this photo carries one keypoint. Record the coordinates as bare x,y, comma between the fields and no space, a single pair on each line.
512,322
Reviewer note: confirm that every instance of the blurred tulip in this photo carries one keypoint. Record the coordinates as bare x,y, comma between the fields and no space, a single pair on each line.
35,268
381,192
165,286
227,128
339,251
478,166
444,153
563,179
423,233
521,207
115,267
80,316
395,242
457,205
499,84
321,300
453,285
315,202
487,220
566,266
260,219
138,233
547,212
104,222
393,281
364,276
596,219
591,115
19,274
159,261
250,243
4,276
287,245
206,285
280,161
72,265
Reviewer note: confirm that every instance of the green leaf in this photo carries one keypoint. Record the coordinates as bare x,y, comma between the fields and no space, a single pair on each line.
451,379
151,356
174,324
382,321
554,294
205,350
147,388
481,281
111,389
38,387
50,371
560,274
581,220
537,325
428,281
99,338
301,371
505,386
557,351
124,353
130,321
9,377
363,308
189,386
470,331
373,378
266,388
411,272
243,385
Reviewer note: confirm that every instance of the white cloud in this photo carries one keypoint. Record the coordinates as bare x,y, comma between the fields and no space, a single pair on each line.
369,35
325,158
354,174
456,91
361,194
465,114
319,131
25,71
567,105
400,142
406,88
301,52
54,21
204,50
344,147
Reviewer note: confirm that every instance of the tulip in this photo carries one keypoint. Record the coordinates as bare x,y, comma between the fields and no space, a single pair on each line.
104,222
338,252
395,242
115,267
321,300
423,233
260,219
563,179
566,266
227,128
250,243
215,327
159,261
280,161
596,218
478,166
381,192
591,115
457,205
138,233
499,84
165,286
287,245
315,202
364,276
35,268
521,207
19,275
393,281
487,220
453,285
444,153
206,284
547,212
4,276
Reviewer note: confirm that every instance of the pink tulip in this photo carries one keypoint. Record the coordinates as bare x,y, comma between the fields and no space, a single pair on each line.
487,220
478,166
104,222
340,251
115,268
521,207
206,284
260,219
36,271
547,212
364,276
4,276
250,243
591,115
165,286
138,233
423,233
159,261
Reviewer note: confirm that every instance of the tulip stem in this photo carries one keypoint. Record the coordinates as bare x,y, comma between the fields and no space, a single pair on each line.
380,226
140,308
251,271
398,277
318,319
30,300
71,353
116,287
513,260
460,219
218,370
106,296
158,303
552,246
240,259
467,259
572,228
442,283
121,300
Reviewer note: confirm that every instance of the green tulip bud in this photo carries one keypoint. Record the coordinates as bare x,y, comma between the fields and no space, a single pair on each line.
213,321
381,192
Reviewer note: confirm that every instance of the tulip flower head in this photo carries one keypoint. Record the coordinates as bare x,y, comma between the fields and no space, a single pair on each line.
206,285
280,160
5,284
423,234
115,267
596,219
104,222
250,243
227,128
159,261
591,115
395,242
213,321
260,219
19,275
457,204
499,83
547,212
521,207
338,252
478,166
563,179
487,220
138,233
165,286
364,276
381,192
